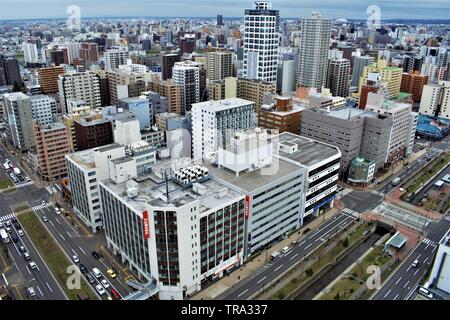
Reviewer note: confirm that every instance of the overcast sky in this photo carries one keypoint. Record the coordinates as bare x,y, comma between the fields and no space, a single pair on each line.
352,9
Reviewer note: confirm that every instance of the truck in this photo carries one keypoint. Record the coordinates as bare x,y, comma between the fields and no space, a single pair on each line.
4,236
16,171
396,181
6,166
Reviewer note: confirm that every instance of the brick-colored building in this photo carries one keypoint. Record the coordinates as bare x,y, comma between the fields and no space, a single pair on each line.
365,90
413,83
52,145
169,90
281,115
49,79
93,133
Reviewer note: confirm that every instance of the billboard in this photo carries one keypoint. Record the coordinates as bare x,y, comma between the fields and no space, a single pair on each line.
146,225
247,207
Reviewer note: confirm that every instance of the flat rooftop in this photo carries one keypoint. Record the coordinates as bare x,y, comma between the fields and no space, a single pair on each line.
309,151
345,113
154,193
221,105
86,158
250,181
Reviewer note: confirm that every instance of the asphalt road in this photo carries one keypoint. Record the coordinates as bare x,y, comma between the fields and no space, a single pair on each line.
404,281
308,243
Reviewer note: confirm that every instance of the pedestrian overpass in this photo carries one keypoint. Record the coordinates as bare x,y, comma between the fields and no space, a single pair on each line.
144,291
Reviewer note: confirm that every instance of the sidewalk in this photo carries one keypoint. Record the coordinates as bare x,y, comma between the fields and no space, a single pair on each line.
250,267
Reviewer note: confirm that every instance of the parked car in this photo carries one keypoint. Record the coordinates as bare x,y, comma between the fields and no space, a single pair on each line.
426,293
111,273
17,226
44,218
100,290
31,292
20,233
14,238
285,249
26,256
105,283
115,294
83,268
95,255
90,278
415,263
57,211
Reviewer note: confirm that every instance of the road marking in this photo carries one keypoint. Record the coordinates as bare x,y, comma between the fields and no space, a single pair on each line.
68,234
28,270
262,279
288,253
399,279
293,257
387,294
51,222
278,268
48,286
301,243
396,297
242,293
74,252
40,291
4,278
57,220
309,245
62,237
406,284
434,249
425,260
416,271
81,250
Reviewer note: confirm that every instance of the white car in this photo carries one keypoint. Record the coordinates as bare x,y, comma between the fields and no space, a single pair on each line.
31,292
100,290
20,233
105,283
426,293
75,259
33,265
57,211
285,249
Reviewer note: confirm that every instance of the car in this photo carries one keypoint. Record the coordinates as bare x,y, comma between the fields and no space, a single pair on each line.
14,220
415,263
20,233
75,258
90,278
22,249
57,211
8,223
21,178
8,229
285,249
44,202
83,268
115,294
44,218
111,273
32,265
14,238
105,283
95,255
426,293
294,242
402,190
1,224
28,179
17,226
26,256
100,290
96,272
31,292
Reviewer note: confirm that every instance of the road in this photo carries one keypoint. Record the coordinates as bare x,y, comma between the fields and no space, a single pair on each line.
252,285
403,282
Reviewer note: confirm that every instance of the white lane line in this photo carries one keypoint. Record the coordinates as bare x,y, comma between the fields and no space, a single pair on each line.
406,284
416,271
74,252
309,245
278,268
40,291
293,257
434,249
387,294
68,234
4,278
51,222
57,220
396,297
261,280
301,243
81,250
425,260
242,293
408,268
28,270
48,286
399,279
288,253
62,237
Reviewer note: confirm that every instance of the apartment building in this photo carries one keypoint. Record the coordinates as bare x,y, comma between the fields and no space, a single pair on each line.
219,65
48,79
79,86
169,90
187,75
115,57
281,115
338,75
43,108
413,83
91,133
436,100
216,90
168,62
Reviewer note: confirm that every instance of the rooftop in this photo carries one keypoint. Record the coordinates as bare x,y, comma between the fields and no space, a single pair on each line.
221,105
309,153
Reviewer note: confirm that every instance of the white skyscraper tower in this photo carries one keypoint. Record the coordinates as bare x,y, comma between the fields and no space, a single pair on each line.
314,46
30,52
115,57
261,41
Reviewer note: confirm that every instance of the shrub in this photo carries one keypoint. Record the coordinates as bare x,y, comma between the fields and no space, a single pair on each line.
309,272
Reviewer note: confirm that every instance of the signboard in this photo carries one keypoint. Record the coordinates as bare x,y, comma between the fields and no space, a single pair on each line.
146,225
247,207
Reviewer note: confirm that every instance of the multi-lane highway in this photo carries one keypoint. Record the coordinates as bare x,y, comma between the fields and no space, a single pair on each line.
404,281
305,245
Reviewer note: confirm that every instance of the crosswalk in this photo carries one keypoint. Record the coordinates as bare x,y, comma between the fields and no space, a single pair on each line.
42,206
429,242
447,218
378,193
7,217
24,184
351,212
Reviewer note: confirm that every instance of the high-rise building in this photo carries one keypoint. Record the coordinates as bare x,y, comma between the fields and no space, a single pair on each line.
30,52
187,42
58,57
169,90
261,41
213,123
124,84
216,90
48,79
89,52
19,116
436,100
219,65
93,133
187,75
43,108
358,68
11,71
219,20
254,90
338,76
115,57
140,107
79,86
52,145
314,46
413,83
168,61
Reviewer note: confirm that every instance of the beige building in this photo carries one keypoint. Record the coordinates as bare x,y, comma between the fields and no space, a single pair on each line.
219,65
216,90
52,145
79,86
379,72
123,84
169,90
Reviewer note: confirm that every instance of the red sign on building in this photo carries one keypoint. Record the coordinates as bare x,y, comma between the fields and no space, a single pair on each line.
146,225
247,207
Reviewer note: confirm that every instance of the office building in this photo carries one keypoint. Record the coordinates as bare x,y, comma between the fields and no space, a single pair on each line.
89,52
19,117
168,62
359,63
261,41
413,83
218,65
30,52
338,76
281,115
124,84
115,57
253,90
158,103
48,79
43,108
169,90
440,273
79,86
314,46
140,107
213,123
69,122
91,133
187,75
361,171
11,71
219,20
216,90
52,145
436,100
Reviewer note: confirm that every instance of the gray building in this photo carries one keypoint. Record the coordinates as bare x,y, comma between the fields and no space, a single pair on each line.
157,103
358,68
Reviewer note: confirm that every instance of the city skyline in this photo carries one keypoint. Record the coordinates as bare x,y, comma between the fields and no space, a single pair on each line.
27,9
